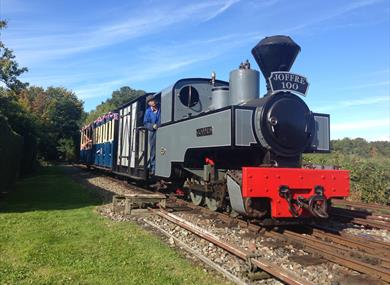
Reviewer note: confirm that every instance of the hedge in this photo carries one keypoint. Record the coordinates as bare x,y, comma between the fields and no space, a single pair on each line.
11,147
370,177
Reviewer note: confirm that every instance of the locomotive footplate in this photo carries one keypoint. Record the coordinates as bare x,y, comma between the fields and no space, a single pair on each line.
287,192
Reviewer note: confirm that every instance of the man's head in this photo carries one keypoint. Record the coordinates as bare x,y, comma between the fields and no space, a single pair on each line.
151,101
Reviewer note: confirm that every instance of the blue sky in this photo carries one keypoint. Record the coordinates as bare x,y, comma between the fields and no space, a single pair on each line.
95,47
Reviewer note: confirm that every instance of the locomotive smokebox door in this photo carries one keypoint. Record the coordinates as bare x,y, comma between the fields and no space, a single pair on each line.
284,124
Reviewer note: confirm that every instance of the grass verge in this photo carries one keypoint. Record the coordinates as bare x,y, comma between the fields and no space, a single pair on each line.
51,234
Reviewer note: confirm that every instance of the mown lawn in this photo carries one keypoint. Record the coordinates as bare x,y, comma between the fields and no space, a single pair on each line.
51,234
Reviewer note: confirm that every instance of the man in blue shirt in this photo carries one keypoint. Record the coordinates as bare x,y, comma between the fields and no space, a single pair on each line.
152,122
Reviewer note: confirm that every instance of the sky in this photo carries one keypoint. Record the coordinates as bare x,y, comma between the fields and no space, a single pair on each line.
95,47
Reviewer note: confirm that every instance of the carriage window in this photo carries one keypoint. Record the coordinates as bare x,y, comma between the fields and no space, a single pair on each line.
112,130
189,96
109,130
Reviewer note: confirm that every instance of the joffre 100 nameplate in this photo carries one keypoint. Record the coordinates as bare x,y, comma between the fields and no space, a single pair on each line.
286,81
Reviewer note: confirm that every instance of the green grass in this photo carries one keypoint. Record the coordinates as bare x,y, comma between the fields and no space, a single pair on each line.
51,234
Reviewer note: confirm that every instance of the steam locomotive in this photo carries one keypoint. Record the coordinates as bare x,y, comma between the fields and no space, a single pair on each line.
225,146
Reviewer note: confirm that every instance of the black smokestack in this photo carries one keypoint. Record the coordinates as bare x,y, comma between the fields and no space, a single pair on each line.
276,53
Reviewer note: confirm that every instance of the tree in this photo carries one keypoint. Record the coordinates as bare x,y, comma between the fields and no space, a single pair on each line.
66,149
361,147
124,95
23,123
119,97
59,112
9,68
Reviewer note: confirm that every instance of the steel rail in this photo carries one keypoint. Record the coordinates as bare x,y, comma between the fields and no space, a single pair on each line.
363,222
354,243
361,205
315,246
200,256
326,251
360,214
346,246
272,269
380,245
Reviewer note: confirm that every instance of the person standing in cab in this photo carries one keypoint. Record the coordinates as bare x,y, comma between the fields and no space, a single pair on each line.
152,122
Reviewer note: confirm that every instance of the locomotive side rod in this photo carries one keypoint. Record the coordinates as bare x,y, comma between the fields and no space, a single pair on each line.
272,269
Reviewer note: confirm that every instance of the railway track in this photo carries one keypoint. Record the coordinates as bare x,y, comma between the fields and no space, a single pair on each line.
359,216
372,258
272,269
369,257
370,207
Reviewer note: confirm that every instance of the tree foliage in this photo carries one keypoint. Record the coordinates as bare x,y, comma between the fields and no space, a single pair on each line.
9,68
11,148
362,148
59,113
23,123
66,149
118,98
368,162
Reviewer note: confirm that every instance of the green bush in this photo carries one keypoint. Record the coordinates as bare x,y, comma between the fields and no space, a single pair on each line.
370,177
24,124
67,150
11,147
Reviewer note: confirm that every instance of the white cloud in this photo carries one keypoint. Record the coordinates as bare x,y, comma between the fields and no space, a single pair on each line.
375,73
366,85
171,59
145,21
380,138
371,130
97,89
365,101
354,102
361,125
336,13
219,11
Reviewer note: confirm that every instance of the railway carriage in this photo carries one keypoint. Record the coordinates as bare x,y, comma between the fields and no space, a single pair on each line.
226,146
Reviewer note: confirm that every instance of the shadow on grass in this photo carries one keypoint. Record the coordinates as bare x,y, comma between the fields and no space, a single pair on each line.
54,188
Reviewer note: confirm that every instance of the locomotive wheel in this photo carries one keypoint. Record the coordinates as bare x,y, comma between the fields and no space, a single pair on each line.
212,204
196,198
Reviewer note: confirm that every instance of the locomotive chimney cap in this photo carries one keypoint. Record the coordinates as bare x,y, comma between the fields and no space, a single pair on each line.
275,53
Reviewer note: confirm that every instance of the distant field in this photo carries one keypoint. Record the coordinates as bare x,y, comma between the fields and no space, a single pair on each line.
50,234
